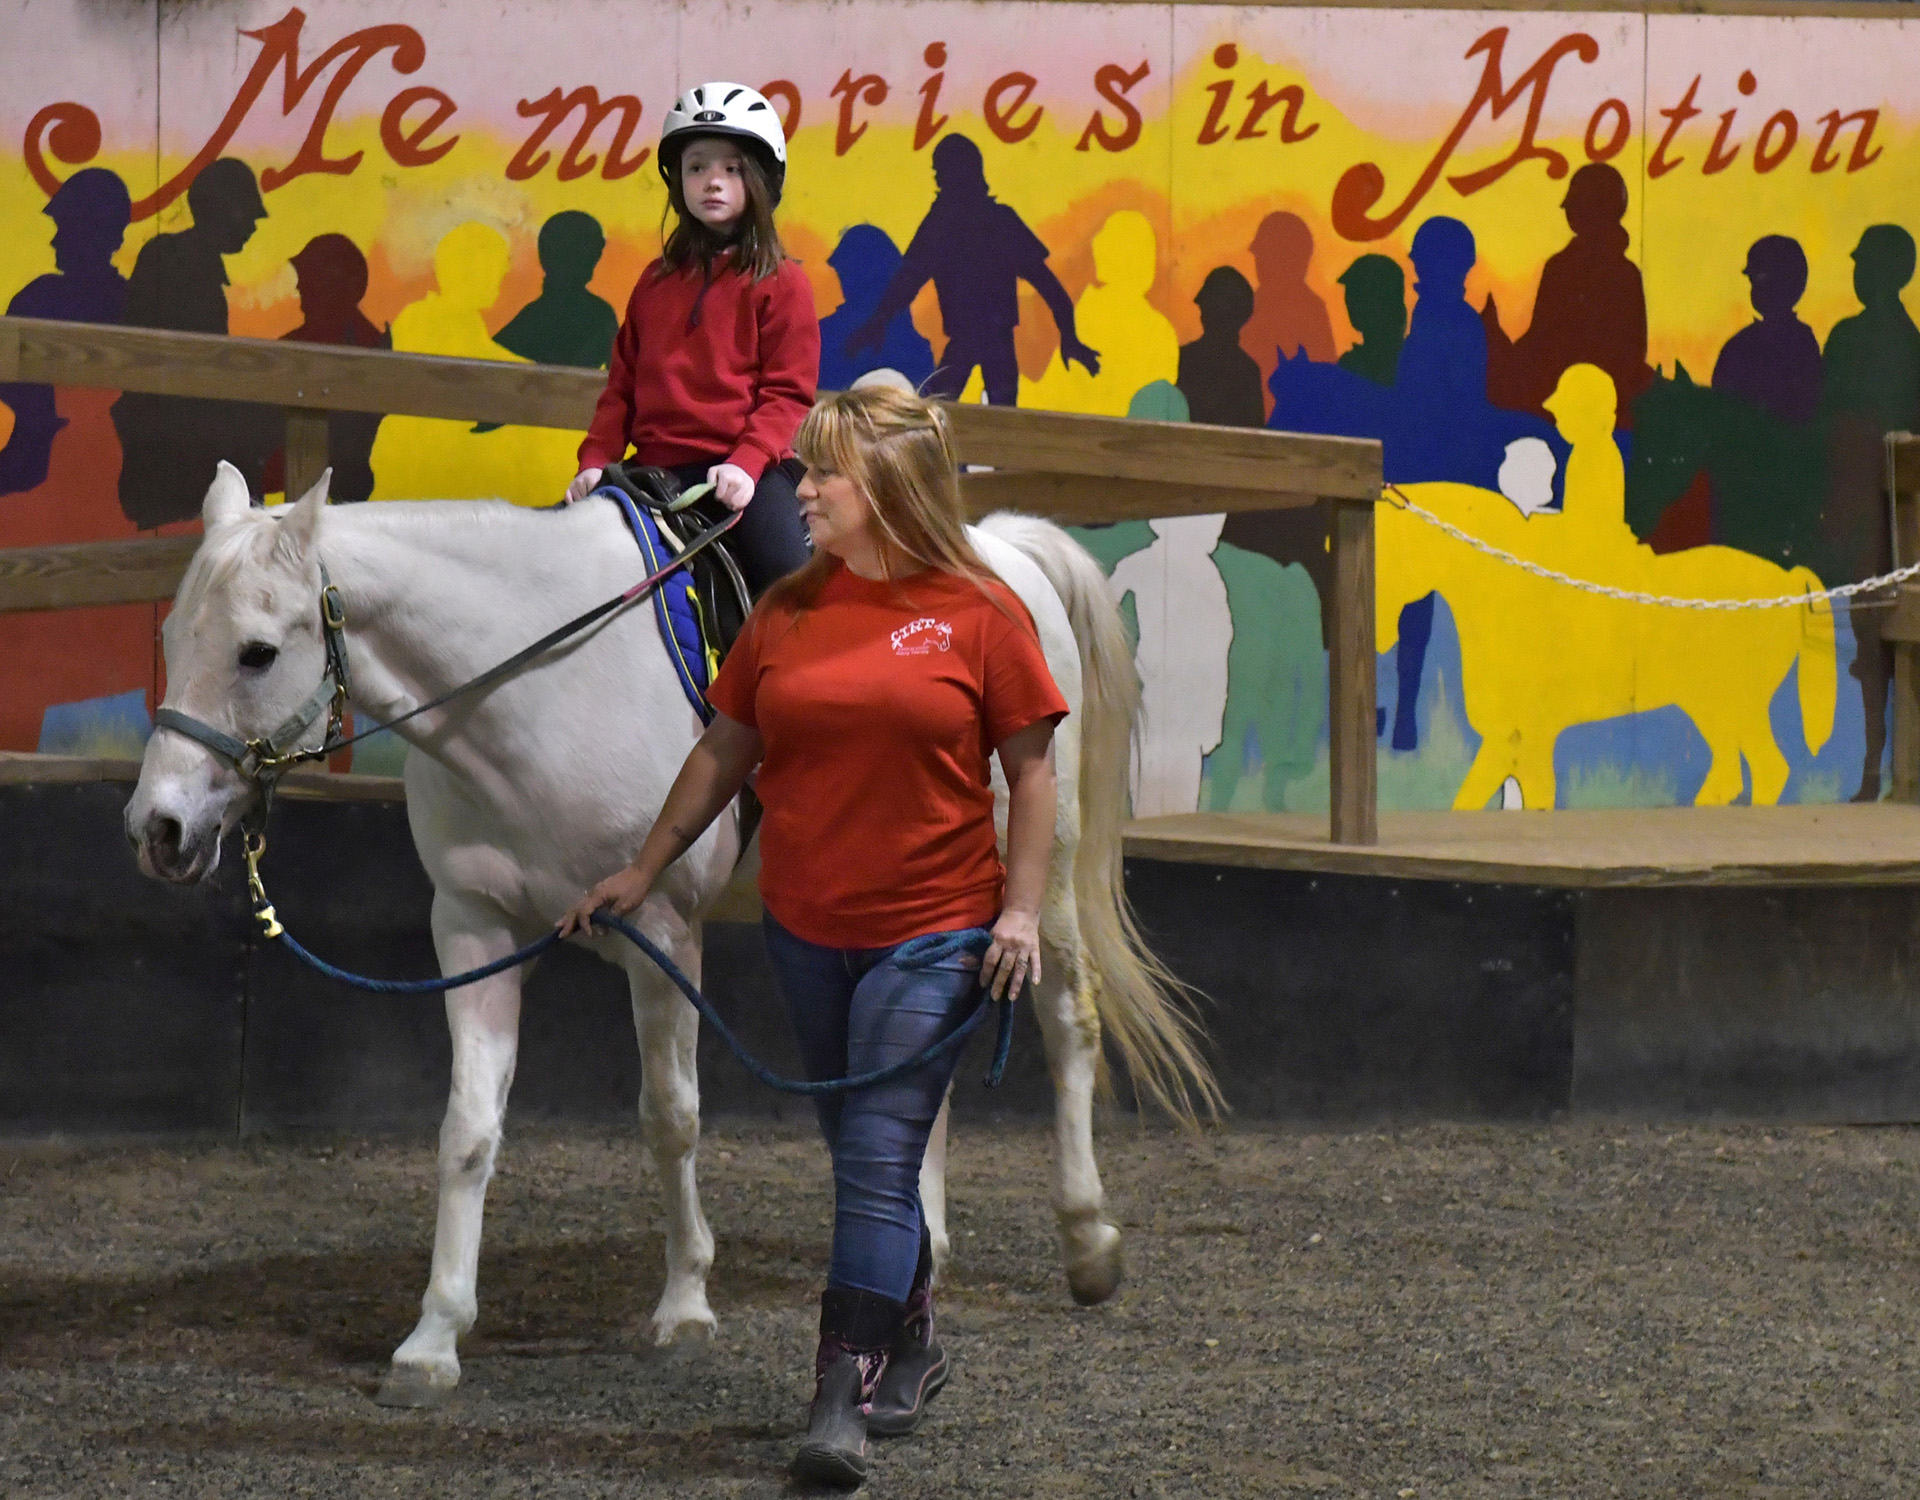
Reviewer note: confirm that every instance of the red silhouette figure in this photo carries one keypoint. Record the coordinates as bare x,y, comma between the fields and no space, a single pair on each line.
331,277
1287,314
1590,309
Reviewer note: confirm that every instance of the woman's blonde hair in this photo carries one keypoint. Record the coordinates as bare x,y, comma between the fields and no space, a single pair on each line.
896,447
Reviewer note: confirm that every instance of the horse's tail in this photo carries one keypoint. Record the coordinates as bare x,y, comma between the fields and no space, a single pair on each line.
1141,1006
1818,680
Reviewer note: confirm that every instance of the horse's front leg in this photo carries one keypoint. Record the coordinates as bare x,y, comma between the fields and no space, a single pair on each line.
1070,1029
485,1021
669,1032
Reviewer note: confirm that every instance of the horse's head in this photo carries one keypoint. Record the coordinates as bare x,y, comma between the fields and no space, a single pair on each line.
1674,429
244,651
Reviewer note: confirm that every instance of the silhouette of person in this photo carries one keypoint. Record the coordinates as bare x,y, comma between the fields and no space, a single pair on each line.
1141,346
1870,387
171,446
90,213
1186,630
1774,363
1590,308
1442,380
1443,363
1288,316
865,260
1220,380
331,277
975,250
1584,407
1376,290
431,457
566,324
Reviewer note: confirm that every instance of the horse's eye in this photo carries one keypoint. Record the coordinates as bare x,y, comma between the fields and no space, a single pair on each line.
257,656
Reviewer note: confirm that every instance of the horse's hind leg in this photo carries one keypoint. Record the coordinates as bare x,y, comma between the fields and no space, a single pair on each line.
669,1032
484,1019
933,1188
1070,1028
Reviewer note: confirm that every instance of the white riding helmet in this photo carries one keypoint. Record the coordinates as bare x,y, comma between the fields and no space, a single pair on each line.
731,110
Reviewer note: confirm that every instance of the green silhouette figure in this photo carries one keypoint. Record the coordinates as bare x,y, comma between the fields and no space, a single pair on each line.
1870,387
1276,677
566,324
1377,308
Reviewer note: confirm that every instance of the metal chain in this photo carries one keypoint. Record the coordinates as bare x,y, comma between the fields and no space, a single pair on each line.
1403,501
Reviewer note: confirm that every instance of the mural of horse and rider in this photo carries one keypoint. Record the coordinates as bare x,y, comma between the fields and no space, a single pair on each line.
977,274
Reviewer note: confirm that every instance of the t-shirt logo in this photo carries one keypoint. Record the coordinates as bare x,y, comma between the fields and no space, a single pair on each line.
921,637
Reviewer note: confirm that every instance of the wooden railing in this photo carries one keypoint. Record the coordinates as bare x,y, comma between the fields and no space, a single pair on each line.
1069,468
1901,628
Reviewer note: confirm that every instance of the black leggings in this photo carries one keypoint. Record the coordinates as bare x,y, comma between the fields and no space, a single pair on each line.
771,539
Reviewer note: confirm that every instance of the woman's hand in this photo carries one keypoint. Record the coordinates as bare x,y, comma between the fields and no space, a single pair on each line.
1013,960
618,894
732,486
584,484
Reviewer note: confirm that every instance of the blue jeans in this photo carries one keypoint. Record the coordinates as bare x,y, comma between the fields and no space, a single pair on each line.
854,1010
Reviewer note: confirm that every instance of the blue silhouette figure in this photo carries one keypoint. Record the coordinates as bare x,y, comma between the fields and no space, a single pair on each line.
90,213
865,260
975,250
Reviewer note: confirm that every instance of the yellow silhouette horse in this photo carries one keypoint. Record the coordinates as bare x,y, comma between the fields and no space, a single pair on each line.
1538,656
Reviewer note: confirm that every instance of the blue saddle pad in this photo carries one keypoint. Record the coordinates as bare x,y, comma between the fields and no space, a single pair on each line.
676,606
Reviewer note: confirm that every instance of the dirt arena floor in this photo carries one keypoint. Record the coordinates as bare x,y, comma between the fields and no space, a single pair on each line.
1563,1311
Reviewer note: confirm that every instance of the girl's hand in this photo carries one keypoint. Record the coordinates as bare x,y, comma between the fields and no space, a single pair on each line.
1013,960
731,485
584,484
618,894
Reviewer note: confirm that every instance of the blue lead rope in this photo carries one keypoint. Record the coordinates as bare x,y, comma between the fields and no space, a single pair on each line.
920,953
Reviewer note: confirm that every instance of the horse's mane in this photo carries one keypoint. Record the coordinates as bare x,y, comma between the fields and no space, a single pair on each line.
247,539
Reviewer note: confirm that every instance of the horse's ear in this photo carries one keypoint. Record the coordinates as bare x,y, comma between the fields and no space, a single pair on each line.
301,521
227,497
1680,375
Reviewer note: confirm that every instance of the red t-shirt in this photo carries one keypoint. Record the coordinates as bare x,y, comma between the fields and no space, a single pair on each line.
880,706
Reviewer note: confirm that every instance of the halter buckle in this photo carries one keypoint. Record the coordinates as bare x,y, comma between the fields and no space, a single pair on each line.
333,610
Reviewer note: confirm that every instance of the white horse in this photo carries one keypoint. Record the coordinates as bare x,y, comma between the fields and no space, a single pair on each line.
523,795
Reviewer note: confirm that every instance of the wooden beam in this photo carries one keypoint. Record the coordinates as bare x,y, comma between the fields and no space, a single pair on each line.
1077,499
93,573
1903,450
324,377
1901,630
1352,750
306,450
1174,453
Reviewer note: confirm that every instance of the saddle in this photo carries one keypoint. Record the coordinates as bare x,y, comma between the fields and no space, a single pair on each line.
701,615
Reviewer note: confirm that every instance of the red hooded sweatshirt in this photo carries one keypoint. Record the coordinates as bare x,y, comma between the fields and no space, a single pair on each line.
719,371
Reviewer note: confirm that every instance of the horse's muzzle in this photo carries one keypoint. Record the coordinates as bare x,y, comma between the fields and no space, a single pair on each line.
167,852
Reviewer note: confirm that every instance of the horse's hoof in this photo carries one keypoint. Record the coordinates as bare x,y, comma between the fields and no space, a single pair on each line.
691,1335
415,1388
1096,1275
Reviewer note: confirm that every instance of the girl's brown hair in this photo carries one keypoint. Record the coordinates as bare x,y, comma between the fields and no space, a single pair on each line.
758,252
897,449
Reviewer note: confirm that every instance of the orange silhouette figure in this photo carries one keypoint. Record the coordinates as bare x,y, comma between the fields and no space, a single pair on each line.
1288,315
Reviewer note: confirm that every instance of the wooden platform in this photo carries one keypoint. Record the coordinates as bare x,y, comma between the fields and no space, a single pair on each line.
1878,844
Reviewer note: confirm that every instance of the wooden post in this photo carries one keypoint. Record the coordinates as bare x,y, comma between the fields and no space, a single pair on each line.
1898,629
1351,725
306,450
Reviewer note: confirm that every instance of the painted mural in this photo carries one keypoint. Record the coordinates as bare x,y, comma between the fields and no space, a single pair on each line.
1623,294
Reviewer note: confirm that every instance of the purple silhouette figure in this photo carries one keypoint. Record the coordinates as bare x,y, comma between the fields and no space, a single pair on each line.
975,250
1775,363
90,212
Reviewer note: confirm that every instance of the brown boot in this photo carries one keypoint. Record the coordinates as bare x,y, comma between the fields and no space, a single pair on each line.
856,1329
